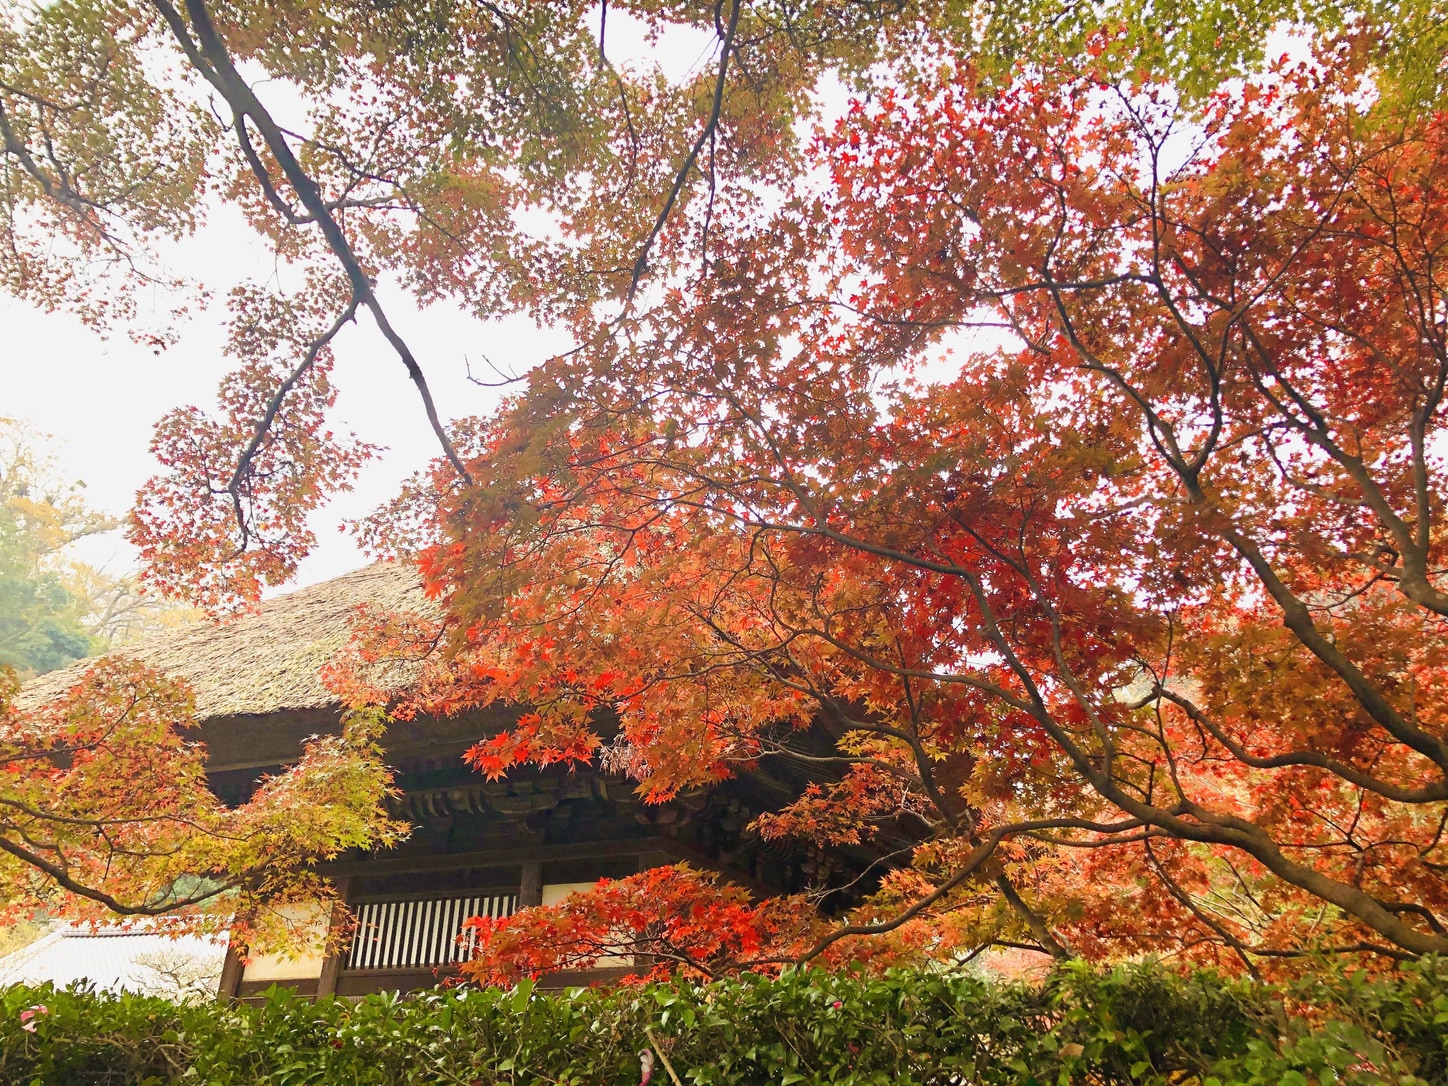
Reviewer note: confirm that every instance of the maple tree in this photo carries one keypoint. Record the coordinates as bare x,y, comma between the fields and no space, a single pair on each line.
105,810
1135,593
104,806
1075,460
491,155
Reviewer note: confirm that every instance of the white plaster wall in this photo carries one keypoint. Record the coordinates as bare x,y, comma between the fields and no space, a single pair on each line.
302,966
554,892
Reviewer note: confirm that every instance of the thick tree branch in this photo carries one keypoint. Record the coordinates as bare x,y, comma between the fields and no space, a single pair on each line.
209,54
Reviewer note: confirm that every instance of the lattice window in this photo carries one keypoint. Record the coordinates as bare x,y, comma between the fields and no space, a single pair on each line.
427,932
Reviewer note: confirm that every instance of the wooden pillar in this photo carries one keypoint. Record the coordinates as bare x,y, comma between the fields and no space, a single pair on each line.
234,964
336,922
231,969
530,886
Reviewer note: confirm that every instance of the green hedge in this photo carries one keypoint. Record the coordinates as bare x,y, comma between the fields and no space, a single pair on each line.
1132,1025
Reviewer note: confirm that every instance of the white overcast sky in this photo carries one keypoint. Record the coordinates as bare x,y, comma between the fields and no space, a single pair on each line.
100,397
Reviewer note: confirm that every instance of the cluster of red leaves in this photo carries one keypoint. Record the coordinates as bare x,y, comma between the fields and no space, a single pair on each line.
230,512
676,921
661,922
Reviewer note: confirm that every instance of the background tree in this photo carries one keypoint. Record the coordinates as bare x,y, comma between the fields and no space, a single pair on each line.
178,976
55,608
42,620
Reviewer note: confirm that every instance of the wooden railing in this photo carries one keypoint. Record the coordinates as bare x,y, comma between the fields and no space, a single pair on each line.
420,933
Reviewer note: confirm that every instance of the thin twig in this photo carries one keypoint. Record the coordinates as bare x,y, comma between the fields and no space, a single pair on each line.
668,1066
641,264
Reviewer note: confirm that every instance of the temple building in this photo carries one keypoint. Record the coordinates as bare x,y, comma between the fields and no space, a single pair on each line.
477,847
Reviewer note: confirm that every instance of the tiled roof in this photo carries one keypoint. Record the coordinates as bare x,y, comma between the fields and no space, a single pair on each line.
113,960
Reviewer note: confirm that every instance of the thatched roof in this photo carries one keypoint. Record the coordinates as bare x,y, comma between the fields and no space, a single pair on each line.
267,661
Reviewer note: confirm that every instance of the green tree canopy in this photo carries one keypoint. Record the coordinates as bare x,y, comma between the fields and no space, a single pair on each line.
42,620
